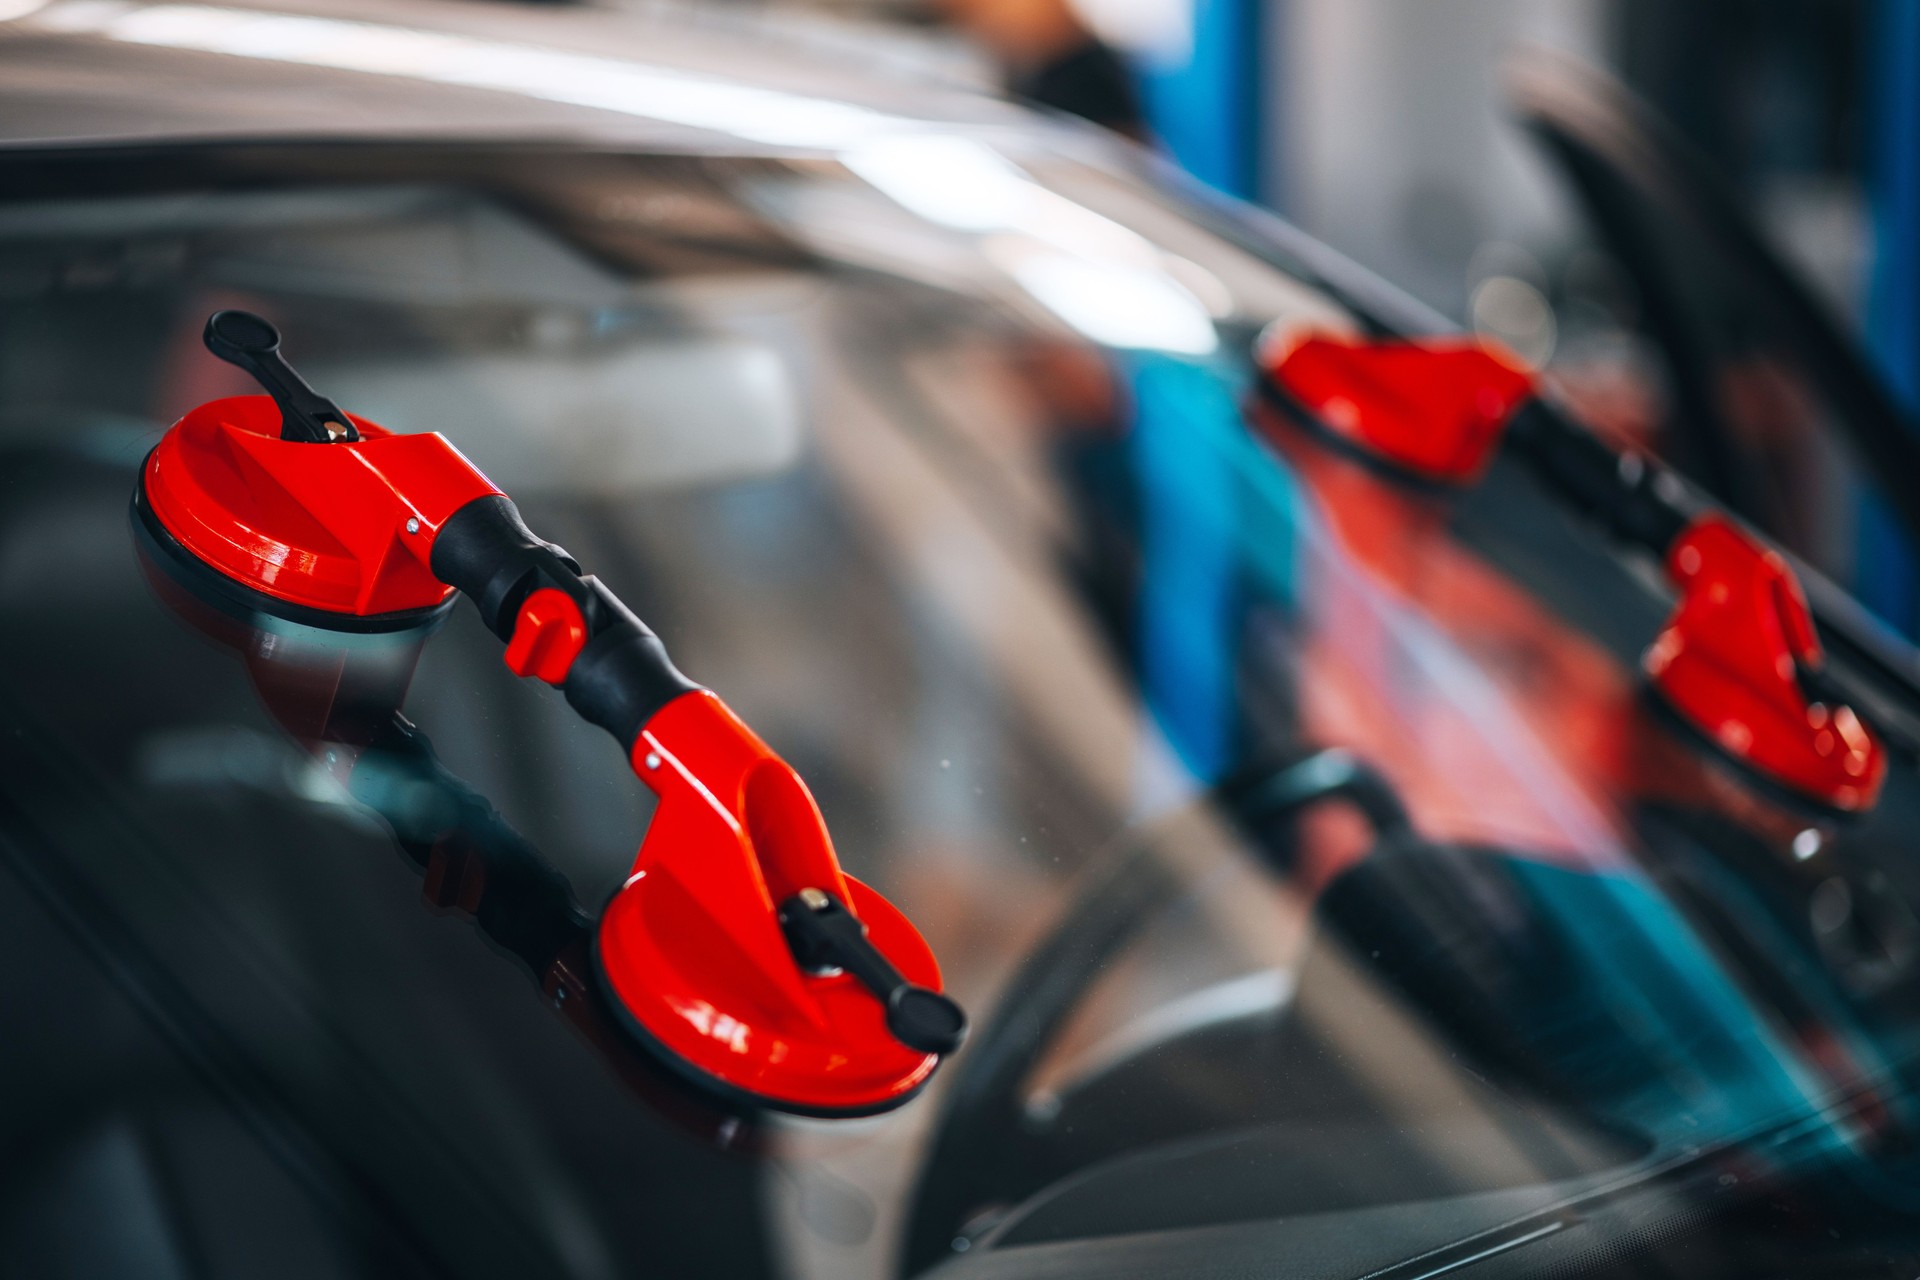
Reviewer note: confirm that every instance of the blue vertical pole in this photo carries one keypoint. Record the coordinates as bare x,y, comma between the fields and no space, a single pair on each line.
1206,109
1885,576
1188,619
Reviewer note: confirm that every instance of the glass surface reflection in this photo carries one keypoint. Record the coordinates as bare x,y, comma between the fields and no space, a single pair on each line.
1326,890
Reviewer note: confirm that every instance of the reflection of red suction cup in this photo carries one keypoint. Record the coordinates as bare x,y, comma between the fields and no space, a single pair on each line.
321,685
738,949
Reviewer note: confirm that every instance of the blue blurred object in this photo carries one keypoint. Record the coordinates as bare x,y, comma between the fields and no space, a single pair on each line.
1220,520
1885,577
1206,110
1189,548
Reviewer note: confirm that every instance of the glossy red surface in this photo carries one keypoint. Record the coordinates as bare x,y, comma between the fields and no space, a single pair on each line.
1727,664
1432,409
324,526
691,947
548,635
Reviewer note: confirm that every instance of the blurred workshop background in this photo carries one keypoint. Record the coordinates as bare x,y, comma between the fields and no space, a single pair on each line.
1390,129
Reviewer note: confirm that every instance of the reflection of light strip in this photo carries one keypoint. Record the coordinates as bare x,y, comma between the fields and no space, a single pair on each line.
1105,280
608,84
1117,304
1264,993
1096,275
965,184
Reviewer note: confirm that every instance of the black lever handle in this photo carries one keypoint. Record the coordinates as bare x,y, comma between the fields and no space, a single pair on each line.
824,935
244,339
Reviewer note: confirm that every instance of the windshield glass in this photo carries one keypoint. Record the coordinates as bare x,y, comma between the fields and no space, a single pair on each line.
1320,884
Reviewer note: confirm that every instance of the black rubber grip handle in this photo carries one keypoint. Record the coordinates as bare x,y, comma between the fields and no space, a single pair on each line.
1636,499
621,677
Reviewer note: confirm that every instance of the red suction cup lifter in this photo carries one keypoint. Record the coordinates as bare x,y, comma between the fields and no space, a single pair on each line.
1739,661
1433,410
1736,660
738,948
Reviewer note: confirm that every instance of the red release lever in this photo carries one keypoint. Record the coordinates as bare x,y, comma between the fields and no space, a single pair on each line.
548,635
1433,410
1730,664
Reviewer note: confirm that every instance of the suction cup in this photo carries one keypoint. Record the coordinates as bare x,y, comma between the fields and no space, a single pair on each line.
235,599
222,490
740,951
840,1052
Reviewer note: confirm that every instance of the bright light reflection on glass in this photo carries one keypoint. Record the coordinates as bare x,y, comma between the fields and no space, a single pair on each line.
607,84
1115,304
1109,283
1097,276
955,182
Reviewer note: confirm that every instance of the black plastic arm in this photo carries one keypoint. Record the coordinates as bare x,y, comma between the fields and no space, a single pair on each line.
622,676
244,339
825,936
1637,500
487,553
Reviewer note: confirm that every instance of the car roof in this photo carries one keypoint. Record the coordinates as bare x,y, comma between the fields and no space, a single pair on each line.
658,78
